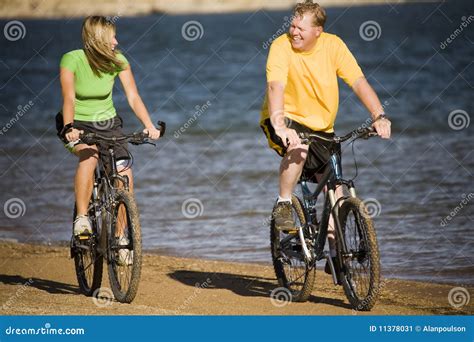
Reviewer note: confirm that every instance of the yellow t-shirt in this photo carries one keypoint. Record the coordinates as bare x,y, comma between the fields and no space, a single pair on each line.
311,95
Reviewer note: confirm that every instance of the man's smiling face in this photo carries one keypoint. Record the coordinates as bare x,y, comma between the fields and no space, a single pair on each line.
303,33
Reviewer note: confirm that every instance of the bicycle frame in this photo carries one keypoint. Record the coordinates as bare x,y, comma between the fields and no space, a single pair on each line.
330,179
103,193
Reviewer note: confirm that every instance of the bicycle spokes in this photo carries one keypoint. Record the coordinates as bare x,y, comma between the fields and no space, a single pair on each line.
289,261
124,247
357,260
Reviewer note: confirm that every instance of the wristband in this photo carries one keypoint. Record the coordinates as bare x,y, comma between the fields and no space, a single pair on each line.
66,128
380,117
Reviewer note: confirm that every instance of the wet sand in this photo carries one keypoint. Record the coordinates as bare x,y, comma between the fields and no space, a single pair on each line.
40,280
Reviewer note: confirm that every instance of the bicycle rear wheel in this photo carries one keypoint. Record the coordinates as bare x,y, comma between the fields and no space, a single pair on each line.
291,269
360,274
88,261
125,258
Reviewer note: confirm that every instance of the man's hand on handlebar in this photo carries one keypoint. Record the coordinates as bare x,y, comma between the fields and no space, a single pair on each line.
289,136
382,127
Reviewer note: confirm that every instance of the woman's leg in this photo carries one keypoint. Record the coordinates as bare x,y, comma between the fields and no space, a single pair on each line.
83,182
122,218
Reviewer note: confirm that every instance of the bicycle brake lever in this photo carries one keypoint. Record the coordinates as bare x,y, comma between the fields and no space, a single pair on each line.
369,135
87,138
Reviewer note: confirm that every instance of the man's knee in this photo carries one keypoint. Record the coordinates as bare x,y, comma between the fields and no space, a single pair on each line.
297,154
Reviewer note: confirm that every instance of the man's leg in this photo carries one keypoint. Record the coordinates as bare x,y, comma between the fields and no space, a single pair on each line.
290,171
332,227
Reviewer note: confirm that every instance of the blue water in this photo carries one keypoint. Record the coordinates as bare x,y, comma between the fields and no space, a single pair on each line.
221,160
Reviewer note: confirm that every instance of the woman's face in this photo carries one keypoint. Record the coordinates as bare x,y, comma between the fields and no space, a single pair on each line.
113,41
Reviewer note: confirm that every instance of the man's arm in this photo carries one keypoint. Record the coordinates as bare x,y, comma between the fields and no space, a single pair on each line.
371,101
276,91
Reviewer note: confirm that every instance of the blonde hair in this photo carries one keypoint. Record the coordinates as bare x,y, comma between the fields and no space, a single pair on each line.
97,33
308,6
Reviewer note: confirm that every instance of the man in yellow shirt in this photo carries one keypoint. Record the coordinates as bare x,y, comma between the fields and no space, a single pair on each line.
303,96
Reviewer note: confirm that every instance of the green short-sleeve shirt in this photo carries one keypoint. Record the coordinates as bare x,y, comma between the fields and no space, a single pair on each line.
93,94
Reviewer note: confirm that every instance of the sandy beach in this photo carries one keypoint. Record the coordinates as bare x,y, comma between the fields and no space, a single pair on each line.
40,280
118,8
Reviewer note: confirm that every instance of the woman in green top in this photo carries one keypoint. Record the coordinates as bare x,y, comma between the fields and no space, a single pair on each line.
87,78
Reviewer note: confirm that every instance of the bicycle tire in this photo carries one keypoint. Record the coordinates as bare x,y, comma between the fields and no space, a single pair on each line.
364,255
302,294
84,259
122,293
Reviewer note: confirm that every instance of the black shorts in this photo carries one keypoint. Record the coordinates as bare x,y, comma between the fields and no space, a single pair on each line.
318,154
108,128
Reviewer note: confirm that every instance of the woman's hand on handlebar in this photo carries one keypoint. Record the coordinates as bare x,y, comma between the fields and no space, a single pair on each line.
152,132
73,134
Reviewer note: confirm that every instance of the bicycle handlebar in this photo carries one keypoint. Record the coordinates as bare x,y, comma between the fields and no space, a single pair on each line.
361,132
135,138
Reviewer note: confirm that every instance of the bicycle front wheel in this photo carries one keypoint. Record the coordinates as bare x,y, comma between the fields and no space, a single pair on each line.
360,273
125,248
291,268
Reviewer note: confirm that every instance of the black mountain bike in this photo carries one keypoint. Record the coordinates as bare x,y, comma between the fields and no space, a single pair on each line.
295,252
114,216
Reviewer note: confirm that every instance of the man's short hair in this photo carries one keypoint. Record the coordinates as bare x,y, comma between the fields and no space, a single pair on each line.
308,6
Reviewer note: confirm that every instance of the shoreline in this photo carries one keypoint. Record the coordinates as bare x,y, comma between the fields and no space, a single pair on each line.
54,9
40,279
164,253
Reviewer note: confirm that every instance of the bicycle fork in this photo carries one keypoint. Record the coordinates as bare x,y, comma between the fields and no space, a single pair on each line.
334,210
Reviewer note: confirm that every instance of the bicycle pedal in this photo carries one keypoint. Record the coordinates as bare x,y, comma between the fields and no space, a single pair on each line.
83,237
291,232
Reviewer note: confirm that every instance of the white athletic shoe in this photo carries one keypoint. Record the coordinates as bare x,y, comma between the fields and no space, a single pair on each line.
82,225
125,255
